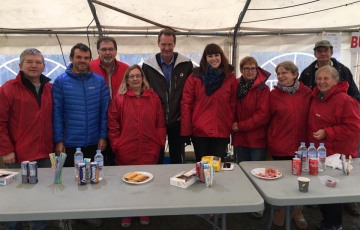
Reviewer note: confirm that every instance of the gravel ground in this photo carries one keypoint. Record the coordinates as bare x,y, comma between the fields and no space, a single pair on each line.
235,221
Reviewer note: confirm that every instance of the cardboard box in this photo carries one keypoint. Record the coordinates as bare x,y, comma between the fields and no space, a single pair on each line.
6,177
184,180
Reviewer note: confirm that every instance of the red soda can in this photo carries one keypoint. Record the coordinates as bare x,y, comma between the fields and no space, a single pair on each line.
313,166
296,166
198,168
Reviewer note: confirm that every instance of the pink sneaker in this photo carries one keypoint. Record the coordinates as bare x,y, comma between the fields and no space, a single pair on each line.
126,222
144,220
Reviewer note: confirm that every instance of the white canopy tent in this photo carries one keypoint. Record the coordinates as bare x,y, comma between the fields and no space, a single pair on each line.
265,26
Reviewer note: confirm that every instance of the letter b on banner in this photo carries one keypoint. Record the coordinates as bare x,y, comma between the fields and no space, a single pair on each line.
355,42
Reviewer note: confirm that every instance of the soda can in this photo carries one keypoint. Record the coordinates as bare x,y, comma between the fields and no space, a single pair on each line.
33,172
25,171
94,169
82,174
198,168
87,162
202,176
313,166
296,166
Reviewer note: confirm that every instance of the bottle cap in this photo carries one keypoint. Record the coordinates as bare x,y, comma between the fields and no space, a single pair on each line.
98,151
78,149
312,144
321,144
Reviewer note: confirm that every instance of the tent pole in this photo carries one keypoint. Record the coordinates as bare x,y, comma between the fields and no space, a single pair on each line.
93,11
236,29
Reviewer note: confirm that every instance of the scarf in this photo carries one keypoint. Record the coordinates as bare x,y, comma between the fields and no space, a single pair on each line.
290,89
243,87
212,80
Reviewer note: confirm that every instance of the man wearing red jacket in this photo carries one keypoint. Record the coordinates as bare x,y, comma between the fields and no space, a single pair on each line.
113,72
26,119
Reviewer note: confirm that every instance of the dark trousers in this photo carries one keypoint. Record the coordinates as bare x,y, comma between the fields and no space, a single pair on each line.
89,152
209,146
332,214
109,155
176,144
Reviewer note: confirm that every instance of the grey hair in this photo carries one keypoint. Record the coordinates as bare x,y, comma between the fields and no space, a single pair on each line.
289,66
30,51
331,70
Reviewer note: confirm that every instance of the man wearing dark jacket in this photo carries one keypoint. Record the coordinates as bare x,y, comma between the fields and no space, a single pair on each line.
323,51
166,73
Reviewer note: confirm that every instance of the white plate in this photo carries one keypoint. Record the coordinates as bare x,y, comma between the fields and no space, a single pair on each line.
227,169
262,170
142,182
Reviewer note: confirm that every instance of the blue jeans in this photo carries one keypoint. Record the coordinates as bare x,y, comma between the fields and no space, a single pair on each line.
249,154
37,224
17,225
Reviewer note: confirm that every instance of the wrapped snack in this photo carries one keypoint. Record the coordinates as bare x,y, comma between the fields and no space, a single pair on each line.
346,164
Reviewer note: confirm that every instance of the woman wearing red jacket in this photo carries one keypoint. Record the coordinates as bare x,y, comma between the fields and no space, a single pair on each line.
289,107
333,120
208,104
252,112
136,125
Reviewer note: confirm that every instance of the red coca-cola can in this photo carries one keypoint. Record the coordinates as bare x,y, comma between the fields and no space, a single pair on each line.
313,166
296,166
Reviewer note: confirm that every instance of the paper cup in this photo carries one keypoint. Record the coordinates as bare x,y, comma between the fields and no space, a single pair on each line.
303,184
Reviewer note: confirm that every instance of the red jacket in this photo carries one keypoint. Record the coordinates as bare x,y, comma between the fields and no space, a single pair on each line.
136,128
25,127
207,116
289,115
338,114
116,77
252,115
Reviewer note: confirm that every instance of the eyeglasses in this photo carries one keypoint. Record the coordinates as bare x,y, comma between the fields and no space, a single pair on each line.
247,69
282,73
135,76
107,49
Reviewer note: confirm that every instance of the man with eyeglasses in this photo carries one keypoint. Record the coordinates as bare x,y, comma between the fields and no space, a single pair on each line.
107,66
166,73
323,51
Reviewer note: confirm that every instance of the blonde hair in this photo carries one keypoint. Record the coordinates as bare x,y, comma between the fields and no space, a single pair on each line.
289,66
124,86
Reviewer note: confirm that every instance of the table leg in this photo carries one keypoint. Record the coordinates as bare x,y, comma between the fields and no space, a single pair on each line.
215,221
272,208
287,218
223,221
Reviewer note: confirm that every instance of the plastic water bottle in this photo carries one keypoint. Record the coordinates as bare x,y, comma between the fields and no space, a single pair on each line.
321,151
78,158
99,158
312,151
304,156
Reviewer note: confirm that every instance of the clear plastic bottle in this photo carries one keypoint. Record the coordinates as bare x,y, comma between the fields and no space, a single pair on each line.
321,151
304,156
312,152
99,158
78,158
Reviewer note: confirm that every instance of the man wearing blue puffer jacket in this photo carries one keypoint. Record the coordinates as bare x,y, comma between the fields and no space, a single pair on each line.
80,103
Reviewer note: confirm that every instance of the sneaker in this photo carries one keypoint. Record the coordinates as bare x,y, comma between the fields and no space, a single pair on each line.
144,220
352,209
126,222
95,222
65,225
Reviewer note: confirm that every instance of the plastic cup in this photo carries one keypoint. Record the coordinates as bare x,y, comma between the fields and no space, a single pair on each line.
303,184
57,176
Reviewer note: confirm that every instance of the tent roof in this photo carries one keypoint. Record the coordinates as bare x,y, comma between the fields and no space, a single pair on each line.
185,15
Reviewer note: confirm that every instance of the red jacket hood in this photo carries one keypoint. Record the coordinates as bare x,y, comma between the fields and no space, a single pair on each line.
341,87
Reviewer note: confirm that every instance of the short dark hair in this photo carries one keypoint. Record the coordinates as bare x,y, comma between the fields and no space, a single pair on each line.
81,47
215,49
166,32
106,39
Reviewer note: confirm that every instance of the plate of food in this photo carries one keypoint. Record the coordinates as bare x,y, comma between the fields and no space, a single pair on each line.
266,173
137,177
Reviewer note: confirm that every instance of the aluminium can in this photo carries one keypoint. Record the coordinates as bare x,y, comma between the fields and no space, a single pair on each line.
313,166
33,172
25,171
94,171
81,174
296,166
198,168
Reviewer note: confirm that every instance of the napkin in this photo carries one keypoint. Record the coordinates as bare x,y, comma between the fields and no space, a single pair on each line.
335,161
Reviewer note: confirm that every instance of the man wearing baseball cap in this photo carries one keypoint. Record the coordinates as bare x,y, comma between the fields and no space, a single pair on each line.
323,51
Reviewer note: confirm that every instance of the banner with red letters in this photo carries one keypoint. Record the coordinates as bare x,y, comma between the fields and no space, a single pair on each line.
355,42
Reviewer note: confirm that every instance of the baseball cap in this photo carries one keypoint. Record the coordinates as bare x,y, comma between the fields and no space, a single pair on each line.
323,43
